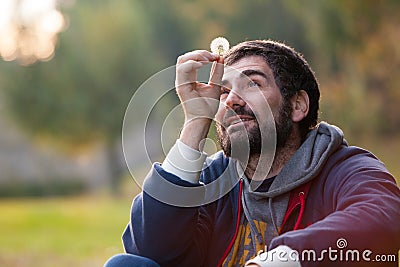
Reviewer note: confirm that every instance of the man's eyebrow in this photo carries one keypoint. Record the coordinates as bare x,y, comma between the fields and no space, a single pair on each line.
247,73
224,82
251,72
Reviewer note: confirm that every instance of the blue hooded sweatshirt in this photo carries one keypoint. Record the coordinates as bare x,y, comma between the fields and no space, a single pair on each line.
329,202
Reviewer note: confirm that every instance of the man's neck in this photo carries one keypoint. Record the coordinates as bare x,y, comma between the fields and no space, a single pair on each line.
282,156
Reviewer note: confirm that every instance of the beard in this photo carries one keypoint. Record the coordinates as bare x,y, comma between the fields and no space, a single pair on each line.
249,143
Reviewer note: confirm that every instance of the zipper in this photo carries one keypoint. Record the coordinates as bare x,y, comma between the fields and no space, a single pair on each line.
221,261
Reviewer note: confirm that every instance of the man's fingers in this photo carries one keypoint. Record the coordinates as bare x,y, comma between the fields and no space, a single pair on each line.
187,71
197,55
190,65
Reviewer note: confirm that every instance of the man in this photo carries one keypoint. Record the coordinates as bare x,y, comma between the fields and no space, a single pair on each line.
314,202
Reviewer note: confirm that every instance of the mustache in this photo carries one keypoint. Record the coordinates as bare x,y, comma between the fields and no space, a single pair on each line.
237,112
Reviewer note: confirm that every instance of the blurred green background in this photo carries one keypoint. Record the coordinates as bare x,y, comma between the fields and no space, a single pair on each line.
65,191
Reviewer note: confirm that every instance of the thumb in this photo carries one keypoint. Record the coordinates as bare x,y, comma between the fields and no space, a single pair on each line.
216,73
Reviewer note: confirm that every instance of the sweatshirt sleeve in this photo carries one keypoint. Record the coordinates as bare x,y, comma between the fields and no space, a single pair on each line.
184,162
170,234
364,204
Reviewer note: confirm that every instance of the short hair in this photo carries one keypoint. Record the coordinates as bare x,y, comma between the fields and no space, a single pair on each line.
291,73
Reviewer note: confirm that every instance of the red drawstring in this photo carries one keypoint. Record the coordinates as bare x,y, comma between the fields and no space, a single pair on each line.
302,206
221,261
297,197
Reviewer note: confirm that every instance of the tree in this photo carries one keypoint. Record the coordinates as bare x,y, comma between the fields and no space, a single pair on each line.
111,47
355,46
79,97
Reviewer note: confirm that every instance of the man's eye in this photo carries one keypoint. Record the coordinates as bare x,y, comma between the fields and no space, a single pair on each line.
253,83
224,90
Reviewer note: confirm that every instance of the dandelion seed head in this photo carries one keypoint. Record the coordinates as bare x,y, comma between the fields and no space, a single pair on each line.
219,46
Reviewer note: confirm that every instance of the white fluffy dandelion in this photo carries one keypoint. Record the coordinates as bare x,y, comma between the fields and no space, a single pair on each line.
219,46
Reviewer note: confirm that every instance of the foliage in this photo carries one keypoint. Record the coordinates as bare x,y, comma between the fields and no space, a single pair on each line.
357,56
111,47
81,95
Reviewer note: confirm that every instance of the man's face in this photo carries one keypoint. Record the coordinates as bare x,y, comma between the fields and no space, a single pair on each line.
251,107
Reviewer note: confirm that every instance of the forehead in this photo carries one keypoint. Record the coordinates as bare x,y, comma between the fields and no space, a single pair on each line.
244,64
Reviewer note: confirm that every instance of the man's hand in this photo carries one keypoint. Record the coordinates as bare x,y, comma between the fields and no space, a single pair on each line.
194,95
200,101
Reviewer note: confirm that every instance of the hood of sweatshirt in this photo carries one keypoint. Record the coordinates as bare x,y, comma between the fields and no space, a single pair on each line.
308,160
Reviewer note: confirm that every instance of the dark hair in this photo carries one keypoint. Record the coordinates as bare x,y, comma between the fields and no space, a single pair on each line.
291,73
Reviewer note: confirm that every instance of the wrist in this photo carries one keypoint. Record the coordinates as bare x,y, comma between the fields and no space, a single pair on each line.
194,131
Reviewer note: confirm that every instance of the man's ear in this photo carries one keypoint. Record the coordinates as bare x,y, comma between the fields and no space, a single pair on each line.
300,106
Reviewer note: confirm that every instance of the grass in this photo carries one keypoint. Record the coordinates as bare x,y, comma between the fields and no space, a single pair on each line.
74,231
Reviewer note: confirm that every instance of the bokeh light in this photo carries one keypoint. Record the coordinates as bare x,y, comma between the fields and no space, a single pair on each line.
28,29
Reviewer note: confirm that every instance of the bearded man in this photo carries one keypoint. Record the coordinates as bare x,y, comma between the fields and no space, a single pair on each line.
283,184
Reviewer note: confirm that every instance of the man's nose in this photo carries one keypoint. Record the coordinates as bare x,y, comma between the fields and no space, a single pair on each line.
233,99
